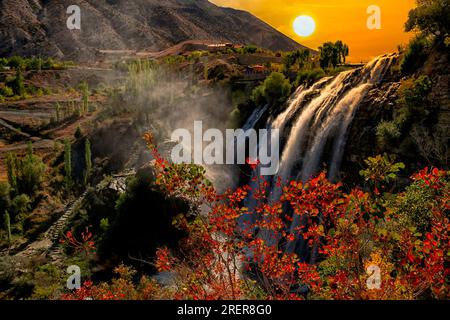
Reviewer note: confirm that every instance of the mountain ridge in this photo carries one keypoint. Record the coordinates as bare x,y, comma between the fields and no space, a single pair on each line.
38,27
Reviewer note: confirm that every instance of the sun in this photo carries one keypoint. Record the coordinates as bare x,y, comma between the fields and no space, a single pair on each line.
304,26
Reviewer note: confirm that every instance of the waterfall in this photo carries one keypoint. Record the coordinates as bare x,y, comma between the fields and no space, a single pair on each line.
319,124
254,117
327,117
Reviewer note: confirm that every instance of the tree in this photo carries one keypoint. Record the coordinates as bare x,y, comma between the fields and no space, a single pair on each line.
20,206
31,170
329,55
5,199
8,225
78,133
431,17
58,112
84,98
87,160
275,89
68,163
11,167
297,57
17,62
346,233
17,85
343,51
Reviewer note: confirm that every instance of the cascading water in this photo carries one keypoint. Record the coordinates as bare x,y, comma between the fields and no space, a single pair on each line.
317,123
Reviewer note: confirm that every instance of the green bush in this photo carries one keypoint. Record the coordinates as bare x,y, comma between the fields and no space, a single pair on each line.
275,89
415,55
17,62
413,96
431,18
6,91
387,132
5,200
308,77
25,175
31,174
249,49
20,206
17,84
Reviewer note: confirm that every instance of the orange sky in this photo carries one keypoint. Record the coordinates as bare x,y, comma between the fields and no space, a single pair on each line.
335,19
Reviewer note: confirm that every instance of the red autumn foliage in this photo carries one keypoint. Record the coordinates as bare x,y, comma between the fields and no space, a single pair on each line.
84,245
236,252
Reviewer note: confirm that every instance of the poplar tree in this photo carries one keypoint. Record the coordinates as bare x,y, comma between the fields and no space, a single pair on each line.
88,160
58,113
11,167
84,97
8,225
68,163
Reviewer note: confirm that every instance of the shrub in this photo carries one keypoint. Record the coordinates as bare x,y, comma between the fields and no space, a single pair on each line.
308,77
387,131
275,89
6,91
258,95
30,174
78,133
17,62
20,206
249,49
17,84
415,55
431,18
5,200
414,206
414,97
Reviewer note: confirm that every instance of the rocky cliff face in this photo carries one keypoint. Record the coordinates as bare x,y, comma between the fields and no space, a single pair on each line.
382,104
38,27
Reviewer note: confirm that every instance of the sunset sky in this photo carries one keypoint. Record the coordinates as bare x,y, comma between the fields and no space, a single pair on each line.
335,19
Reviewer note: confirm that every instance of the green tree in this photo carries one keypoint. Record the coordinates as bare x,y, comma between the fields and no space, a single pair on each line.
68,163
8,226
11,168
249,49
84,97
431,17
31,172
20,206
29,148
88,161
17,85
58,112
328,55
16,62
5,200
381,170
78,133
415,54
275,89
342,50
298,58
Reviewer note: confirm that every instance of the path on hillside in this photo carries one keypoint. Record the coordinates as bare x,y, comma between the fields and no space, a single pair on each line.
49,244
4,124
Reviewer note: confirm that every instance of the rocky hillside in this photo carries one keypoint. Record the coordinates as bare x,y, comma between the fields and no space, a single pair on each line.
417,131
38,27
